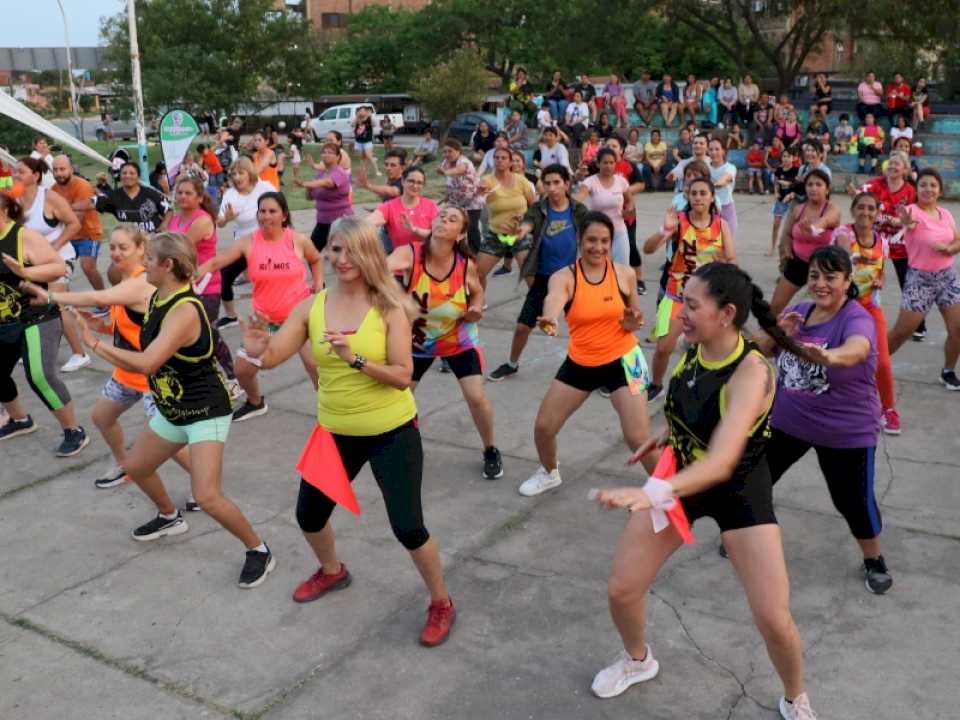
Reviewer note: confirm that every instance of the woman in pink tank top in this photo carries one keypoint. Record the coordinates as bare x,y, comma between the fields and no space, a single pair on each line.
809,226
195,219
275,255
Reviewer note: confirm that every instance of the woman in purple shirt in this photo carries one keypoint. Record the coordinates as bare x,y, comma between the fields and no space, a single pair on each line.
331,193
613,92
829,401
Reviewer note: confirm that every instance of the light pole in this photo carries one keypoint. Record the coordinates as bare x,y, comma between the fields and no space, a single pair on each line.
74,100
137,86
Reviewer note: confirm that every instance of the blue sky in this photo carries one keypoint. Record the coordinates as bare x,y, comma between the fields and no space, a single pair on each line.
38,23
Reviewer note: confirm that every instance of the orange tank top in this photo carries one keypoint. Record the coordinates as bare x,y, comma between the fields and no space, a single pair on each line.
126,336
593,317
269,174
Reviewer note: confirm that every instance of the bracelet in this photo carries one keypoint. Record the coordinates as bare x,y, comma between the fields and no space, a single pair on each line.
359,361
49,299
256,362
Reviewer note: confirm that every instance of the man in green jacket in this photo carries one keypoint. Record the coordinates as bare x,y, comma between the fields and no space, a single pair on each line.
553,223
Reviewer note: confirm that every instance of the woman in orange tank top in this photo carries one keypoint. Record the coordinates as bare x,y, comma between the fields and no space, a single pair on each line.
128,301
602,308
265,160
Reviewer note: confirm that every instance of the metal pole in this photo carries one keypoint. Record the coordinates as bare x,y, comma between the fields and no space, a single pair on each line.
78,123
137,87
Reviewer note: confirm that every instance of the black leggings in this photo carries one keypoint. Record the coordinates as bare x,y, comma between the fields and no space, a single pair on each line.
901,266
321,231
211,304
636,259
228,276
396,459
849,473
474,236
38,345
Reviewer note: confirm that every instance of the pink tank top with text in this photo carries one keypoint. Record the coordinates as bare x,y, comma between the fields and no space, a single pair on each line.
278,274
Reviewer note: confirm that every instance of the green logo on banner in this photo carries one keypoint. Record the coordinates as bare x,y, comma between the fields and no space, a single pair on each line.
177,131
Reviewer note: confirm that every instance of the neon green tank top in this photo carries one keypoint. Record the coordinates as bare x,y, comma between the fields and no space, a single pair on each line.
348,401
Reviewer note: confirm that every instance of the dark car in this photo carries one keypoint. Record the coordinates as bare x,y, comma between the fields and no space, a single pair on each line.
465,124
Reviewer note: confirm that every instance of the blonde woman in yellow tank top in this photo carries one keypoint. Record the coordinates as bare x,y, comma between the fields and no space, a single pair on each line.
360,333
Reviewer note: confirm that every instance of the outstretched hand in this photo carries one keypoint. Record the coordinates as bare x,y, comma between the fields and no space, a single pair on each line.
790,322
38,295
256,335
548,325
630,498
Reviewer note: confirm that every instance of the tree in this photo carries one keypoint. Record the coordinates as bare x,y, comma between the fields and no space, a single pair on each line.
453,86
15,136
211,54
782,32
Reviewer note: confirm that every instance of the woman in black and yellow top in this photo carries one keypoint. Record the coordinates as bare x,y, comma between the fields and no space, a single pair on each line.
177,356
31,332
360,333
718,414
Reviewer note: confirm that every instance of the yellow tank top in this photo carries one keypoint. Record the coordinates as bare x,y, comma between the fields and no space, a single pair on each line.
348,401
505,203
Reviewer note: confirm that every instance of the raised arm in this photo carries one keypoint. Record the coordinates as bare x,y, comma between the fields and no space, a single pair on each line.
729,244
42,263
234,252
133,293
65,214
559,292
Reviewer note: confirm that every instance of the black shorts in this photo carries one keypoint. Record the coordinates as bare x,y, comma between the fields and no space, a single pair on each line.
737,503
610,377
795,271
465,364
849,473
533,303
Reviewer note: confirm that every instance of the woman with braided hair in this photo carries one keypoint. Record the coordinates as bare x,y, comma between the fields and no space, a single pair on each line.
718,409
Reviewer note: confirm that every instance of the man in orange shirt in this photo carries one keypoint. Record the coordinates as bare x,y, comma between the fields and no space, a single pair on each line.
217,177
78,192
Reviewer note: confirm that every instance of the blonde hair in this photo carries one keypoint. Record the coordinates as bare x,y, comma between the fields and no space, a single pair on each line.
133,233
362,240
243,164
177,248
902,157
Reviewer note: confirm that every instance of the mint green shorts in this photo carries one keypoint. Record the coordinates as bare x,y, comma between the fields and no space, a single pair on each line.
210,430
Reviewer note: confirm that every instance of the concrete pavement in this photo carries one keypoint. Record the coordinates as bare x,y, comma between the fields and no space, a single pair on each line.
94,625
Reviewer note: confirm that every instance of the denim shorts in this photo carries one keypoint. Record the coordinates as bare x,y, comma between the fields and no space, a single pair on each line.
127,397
209,430
363,147
86,248
780,208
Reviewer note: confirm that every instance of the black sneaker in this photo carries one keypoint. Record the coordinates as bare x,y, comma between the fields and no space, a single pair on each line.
492,463
876,576
74,440
249,410
226,321
17,427
504,371
160,526
255,568
919,335
641,287
502,270
654,392
949,379
191,505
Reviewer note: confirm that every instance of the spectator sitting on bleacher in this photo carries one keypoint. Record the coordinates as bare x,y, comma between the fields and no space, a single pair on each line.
645,98
920,102
426,149
516,131
898,99
817,128
762,126
782,109
735,137
823,94
655,154
772,160
901,130
683,148
842,135
870,142
691,98
755,168
748,94
870,98
668,95
577,118
604,127
727,98
588,94
633,152
788,130
708,102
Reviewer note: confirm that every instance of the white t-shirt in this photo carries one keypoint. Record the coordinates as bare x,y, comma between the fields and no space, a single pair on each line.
544,118
577,113
245,206
724,194
896,132
47,181
557,154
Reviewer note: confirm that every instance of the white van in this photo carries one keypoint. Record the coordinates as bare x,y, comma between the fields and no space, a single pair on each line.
341,117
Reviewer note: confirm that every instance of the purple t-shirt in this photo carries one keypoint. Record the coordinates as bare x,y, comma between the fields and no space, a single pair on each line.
832,407
335,202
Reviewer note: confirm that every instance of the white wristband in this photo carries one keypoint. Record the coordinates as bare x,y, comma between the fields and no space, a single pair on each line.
662,498
257,362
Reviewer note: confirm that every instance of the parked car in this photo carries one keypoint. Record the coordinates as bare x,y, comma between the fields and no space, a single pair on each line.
465,124
341,117
123,128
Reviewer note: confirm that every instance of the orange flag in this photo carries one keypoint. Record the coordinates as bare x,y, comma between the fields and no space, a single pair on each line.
320,465
666,467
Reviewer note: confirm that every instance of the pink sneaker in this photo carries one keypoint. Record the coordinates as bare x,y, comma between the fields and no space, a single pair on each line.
891,422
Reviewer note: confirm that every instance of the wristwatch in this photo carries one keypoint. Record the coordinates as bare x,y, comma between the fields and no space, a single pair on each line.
358,362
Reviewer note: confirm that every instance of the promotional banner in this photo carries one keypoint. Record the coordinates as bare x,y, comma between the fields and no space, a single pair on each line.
177,131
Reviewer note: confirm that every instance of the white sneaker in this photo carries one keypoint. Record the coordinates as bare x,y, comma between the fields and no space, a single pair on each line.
799,709
75,363
540,481
625,671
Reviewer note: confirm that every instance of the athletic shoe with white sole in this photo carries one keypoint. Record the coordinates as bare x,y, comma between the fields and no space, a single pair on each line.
876,576
256,568
112,476
949,379
799,709
249,410
624,672
492,463
161,526
540,481
74,440
504,371
11,428
75,363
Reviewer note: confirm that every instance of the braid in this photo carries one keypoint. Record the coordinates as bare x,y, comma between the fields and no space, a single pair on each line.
760,309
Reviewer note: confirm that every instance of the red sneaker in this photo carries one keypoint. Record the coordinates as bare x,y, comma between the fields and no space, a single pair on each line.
891,422
319,584
440,618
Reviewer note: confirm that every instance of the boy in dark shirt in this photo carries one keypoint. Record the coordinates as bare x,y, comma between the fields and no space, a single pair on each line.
784,177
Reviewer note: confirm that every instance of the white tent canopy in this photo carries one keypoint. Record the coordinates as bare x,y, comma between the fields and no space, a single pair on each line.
7,157
18,111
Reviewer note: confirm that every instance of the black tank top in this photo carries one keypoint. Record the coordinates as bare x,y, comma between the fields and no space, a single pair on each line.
695,404
188,387
15,305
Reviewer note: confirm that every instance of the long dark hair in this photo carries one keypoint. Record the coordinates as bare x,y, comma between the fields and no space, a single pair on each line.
709,183
206,202
11,207
35,165
281,200
728,284
833,258
460,246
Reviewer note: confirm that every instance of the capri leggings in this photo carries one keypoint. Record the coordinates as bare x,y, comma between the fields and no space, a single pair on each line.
211,304
849,473
228,276
396,459
38,345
